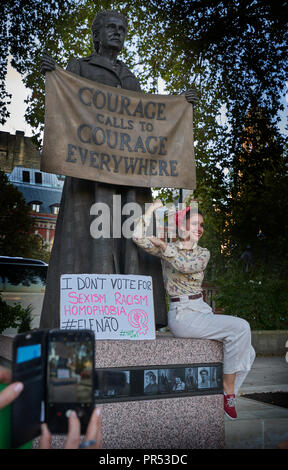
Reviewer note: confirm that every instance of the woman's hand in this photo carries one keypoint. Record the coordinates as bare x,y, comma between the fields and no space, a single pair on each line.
93,434
159,243
155,205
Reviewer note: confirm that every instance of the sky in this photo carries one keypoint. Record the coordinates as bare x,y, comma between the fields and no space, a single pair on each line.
19,94
17,107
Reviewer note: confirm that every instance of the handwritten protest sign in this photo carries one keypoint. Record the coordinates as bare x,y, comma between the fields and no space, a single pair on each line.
114,306
117,136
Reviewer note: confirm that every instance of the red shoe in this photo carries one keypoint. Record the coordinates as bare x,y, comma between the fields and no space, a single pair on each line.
229,406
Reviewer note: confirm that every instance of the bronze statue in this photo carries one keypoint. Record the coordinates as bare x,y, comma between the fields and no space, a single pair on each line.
74,249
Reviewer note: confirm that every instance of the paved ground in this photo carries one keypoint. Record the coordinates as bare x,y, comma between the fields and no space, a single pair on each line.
260,425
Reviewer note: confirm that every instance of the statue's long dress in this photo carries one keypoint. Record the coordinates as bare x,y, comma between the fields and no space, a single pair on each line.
74,249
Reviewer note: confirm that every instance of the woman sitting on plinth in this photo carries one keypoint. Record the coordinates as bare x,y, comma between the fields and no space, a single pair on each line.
183,264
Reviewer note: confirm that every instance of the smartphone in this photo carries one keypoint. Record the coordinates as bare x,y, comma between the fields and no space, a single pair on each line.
69,378
29,367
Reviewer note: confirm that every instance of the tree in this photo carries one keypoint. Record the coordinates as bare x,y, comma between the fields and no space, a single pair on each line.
16,224
15,317
15,220
258,208
232,51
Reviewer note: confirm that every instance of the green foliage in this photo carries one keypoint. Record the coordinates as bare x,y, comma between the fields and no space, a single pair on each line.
25,319
15,317
38,249
260,299
15,221
27,29
17,225
234,52
259,199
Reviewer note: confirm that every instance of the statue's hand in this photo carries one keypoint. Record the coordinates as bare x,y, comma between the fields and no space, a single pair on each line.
192,96
47,63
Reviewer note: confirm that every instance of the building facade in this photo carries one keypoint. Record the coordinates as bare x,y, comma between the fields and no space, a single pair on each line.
20,160
42,192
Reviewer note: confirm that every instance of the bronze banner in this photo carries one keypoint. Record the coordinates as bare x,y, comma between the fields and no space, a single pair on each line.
101,133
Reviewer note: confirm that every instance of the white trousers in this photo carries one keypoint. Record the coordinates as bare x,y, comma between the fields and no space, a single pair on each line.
195,319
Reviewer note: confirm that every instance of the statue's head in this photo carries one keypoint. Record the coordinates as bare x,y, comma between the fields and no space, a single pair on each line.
109,29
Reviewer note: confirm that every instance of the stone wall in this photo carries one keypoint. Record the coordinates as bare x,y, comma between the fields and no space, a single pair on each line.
17,150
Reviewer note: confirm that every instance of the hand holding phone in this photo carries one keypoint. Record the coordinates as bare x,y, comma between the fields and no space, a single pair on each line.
70,378
28,367
93,438
57,370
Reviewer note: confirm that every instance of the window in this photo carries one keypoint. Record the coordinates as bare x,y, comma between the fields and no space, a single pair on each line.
35,206
22,278
55,209
38,178
26,176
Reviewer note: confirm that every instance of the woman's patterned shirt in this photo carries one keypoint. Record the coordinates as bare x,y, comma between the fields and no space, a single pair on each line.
183,269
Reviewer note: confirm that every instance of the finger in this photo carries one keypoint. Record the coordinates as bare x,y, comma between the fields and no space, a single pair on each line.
154,240
5,375
10,393
74,428
45,438
94,429
99,429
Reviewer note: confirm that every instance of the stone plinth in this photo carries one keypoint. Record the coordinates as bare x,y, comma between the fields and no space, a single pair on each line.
194,422
175,423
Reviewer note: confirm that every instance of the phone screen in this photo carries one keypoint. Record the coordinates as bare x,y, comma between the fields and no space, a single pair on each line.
70,371
70,378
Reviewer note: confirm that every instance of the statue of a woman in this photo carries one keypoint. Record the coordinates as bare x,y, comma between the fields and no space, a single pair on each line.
74,250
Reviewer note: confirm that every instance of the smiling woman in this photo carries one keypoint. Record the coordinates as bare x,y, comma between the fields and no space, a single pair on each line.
184,263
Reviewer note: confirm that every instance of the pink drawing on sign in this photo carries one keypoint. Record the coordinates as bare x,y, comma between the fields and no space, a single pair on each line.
139,319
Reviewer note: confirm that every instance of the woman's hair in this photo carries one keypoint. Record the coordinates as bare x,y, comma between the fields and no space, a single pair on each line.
98,22
189,213
193,211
